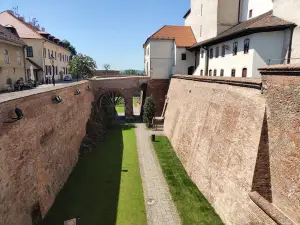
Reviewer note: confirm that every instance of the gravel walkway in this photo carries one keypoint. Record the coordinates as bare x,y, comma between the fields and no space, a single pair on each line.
159,204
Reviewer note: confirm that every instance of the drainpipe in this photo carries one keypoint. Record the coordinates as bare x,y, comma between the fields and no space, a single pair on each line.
24,59
290,46
206,60
239,14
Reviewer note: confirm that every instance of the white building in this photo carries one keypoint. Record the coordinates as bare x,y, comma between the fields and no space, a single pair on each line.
166,52
236,37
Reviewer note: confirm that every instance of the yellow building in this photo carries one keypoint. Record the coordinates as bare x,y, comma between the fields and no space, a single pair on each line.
12,64
44,52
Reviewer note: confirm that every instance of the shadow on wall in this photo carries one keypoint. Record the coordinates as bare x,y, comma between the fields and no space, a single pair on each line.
262,176
92,190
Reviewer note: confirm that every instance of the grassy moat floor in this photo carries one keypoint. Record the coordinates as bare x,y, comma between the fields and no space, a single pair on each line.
105,187
191,205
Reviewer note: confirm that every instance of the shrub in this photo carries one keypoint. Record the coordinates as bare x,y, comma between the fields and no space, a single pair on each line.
149,110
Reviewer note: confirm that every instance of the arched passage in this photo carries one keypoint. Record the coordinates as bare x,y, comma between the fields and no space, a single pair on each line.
112,102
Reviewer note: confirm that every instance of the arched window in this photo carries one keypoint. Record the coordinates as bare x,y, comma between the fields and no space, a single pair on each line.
246,46
18,58
222,73
215,72
6,56
244,73
210,72
201,73
233,72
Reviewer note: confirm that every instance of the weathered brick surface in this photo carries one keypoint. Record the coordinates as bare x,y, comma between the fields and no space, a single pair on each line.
158,88
38,153
283,107
215,130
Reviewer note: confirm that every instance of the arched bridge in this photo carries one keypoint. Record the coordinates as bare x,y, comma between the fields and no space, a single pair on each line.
125,86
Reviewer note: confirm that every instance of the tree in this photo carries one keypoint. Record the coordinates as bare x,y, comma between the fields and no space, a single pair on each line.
82,66
132,72
106,67
149,110
71,48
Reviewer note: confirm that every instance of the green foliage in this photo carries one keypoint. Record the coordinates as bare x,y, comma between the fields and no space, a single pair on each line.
149,110
71,48
132,72
82,66
192,206
106,67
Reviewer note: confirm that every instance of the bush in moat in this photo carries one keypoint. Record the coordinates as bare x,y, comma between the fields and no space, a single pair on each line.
149,110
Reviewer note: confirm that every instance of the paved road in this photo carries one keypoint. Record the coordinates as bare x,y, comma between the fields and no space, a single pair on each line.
159,204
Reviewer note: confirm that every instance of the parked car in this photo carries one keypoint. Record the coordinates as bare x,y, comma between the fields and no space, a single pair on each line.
68,77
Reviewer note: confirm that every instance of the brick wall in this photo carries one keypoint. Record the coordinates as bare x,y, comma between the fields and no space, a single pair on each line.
240,145
158,88
39,152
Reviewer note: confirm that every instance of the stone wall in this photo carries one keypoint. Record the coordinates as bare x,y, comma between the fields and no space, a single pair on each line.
38,153
221,130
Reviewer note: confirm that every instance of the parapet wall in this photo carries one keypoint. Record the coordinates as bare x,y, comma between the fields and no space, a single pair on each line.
39,152
219,130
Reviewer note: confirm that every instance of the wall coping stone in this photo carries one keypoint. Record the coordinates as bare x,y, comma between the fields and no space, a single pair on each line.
285,70
235,81
6,97
272,211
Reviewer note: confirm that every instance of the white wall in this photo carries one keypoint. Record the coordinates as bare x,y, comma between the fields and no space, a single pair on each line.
162,58
182,66
258,7
208,19
263,46
289,10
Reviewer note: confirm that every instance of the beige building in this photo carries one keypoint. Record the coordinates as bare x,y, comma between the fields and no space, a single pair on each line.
12,61
45,54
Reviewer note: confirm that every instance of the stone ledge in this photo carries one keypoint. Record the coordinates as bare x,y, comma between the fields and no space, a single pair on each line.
5,97
287,70
235,81
274,213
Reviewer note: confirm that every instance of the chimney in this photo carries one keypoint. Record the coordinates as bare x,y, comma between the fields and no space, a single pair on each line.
22,18
43,29
11,12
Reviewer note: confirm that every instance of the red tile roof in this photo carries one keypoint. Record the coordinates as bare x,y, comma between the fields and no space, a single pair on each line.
6,35
263,23
183,35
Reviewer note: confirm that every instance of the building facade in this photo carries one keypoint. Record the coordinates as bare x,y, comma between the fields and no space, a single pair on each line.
236,37
46,52
12,61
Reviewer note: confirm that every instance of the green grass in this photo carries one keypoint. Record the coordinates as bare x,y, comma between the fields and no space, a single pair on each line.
120,108
192,206
98,191
135,101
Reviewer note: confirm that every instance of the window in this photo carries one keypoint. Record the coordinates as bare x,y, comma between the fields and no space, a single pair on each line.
45,52
29,51
200,30
50,72
46,67
183,56
211,53
55,55
244,72
52,56
202,53
60,56
246,46
18,58
215,72
210,72
49,53
235,48
233,72
250,13
222,73
201,9
66,70
56,70
223,50
201,73
6,56
217,52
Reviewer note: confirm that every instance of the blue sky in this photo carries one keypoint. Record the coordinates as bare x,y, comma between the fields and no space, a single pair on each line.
110,31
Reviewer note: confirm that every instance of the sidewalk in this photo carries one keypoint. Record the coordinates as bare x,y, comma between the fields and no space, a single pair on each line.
159,204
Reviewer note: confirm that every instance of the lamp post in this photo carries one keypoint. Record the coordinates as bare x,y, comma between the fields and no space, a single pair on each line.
52,63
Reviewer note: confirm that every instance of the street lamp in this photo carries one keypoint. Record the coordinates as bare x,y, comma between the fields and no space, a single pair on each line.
52,63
